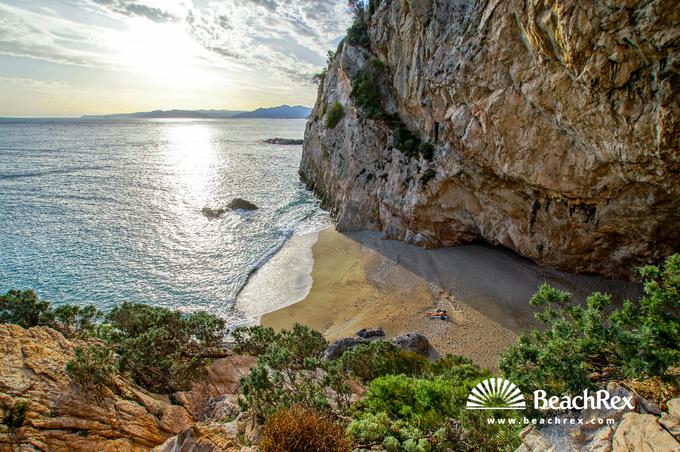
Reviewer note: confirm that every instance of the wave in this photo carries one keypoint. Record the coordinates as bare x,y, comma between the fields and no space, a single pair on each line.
29,174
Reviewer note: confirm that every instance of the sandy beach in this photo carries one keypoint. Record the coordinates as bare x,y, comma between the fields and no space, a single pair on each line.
359,280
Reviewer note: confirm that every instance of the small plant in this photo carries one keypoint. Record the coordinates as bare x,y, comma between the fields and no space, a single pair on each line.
426,150
300,429
366,89
334,115
406,141
427,176
16,416
375,359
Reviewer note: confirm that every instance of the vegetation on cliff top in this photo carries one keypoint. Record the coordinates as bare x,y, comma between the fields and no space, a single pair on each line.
160,349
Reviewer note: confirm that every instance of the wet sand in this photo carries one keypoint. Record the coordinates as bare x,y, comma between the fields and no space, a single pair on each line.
361,280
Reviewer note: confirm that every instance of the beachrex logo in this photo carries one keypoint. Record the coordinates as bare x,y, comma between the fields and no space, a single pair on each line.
496,394
501,394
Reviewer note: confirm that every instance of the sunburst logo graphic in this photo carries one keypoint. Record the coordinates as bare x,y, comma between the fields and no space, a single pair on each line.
496,394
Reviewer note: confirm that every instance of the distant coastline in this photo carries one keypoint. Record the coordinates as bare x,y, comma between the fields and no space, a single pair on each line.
280,112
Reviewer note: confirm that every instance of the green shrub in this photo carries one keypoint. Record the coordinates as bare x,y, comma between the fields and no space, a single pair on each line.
161,349
23,308
427,176
640,339
75,321
375,359
366,89
426,150
357,33
289,372
93,366
334,115
15,416
419,413
406,141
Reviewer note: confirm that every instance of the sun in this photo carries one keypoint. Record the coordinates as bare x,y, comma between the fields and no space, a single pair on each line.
165,53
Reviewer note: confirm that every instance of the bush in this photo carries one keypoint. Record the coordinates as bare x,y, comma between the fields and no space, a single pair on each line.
15,416
366,89
375,359
289,372
334,115
357,33
299,429
93,366
428,413
23,308
161,349
640,339
427,176
406,141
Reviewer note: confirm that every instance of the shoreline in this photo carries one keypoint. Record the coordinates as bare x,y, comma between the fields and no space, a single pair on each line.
284,279
360,280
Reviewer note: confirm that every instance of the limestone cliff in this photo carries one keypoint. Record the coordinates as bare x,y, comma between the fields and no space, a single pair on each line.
554,125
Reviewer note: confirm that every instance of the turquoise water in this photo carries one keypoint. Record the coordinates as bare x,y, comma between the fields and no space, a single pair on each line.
101,212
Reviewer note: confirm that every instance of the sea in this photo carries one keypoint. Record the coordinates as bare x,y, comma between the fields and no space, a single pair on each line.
100,212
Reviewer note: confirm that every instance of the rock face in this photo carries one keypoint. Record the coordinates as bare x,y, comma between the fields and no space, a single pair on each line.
554,125
60,415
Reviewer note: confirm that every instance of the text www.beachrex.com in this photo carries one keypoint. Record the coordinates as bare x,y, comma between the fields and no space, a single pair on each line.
550,421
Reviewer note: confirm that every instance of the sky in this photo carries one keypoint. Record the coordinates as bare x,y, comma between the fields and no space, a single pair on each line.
75,57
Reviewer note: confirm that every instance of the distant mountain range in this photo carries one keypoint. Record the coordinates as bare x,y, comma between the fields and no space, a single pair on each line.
281,112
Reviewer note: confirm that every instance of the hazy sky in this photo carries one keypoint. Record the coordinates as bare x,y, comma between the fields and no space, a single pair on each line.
73,57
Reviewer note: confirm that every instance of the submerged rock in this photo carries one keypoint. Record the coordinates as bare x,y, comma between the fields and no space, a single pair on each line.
284,141
242,204
213,213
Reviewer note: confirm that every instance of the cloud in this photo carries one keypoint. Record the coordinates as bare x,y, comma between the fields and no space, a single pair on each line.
285,39
129,8
34,85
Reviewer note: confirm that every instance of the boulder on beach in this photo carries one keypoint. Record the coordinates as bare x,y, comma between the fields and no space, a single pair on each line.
337,348
242,204
213,213
413,342
284,141
370,332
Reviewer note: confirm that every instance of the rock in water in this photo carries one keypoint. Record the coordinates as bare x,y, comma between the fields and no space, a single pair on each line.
242,204
213,213
413,342
283,141
550,128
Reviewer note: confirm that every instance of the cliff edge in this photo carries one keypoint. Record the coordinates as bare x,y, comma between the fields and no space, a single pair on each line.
550,128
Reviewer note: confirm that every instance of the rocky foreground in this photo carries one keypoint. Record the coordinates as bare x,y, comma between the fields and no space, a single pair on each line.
554,128
59,415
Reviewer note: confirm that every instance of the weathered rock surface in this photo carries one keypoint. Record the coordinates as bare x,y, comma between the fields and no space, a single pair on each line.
370,332
631,430
60,415
63,416
413,342
204,437
555,126
337,348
